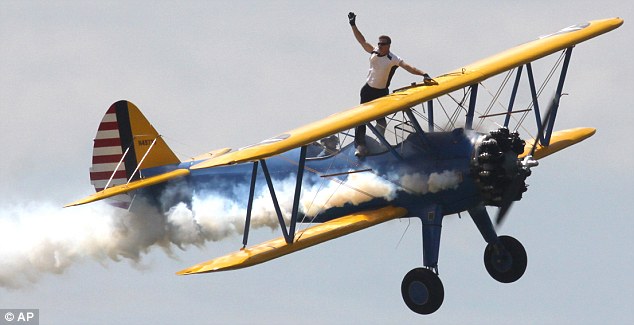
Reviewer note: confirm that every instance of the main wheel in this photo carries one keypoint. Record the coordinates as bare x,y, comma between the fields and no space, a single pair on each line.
422,291
505,261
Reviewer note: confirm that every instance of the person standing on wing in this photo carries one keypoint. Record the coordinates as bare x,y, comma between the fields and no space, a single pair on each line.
383,64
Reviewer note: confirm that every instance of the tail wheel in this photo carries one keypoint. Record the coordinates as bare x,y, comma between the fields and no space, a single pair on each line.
422,291
505,261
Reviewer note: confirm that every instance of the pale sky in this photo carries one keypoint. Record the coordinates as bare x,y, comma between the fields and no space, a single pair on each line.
217,74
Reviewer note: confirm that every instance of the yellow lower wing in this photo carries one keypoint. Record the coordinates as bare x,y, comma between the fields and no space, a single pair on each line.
559,140
303,239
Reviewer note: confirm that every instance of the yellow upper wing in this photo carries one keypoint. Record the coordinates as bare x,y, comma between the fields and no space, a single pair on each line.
412,96
309,237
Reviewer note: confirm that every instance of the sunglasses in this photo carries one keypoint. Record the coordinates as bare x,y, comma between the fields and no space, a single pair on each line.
383,44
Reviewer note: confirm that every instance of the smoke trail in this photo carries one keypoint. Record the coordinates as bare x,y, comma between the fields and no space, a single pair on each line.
214,216
433,183
356,189
41,238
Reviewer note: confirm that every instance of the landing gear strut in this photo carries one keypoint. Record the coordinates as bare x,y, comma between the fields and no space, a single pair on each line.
422,291
421,288
504,257
506,260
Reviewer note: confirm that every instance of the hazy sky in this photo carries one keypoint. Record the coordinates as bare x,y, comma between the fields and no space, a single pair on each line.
220,74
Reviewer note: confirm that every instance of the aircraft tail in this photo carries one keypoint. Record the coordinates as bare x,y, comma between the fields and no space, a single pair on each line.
125,144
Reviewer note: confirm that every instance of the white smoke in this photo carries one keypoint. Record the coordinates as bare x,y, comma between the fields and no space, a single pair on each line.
433,183
42,238
213,216
36,239
356,189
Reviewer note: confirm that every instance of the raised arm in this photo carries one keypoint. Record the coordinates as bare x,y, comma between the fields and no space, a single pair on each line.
357,34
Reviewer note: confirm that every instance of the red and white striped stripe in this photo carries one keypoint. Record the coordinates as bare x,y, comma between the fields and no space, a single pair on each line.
106,155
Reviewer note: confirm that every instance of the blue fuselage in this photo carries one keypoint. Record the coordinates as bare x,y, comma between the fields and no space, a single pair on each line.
433,170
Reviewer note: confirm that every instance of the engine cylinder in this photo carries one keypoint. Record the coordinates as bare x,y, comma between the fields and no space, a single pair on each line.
495,165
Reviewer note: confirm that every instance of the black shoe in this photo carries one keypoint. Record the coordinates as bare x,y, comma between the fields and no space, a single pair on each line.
361,151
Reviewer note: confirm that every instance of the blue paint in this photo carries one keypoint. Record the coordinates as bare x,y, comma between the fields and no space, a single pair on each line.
232,181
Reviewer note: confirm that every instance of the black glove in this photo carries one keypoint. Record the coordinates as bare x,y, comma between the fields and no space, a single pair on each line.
351,18
428,80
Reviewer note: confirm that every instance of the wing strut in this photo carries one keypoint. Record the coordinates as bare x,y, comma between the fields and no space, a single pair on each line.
381,138
538,119
289,234
298,190
472,103
419,130
513,94
276,204
430,115
560,86
545,130
247,222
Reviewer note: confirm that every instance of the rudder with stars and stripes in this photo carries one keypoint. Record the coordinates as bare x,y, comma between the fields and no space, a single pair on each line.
125,144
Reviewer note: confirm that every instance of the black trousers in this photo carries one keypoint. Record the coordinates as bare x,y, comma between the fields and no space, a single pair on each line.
369,94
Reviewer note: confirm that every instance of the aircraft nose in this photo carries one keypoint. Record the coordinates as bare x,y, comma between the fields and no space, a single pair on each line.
496,166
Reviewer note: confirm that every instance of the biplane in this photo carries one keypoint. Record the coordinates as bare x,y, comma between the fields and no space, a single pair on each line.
427,170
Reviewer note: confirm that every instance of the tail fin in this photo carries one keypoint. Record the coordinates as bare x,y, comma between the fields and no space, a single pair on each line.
126,143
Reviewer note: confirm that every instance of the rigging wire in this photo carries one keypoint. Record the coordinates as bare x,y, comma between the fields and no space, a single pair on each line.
324,175
495,98
541,88
422,116
460,106
180,153
451,122
409,222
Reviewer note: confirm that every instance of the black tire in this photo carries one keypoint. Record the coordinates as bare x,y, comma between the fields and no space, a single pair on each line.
508,263
422,291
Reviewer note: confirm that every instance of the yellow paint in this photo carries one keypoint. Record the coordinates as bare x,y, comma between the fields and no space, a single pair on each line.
311,236
124,188
144,134
559,140
211,154
412,96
